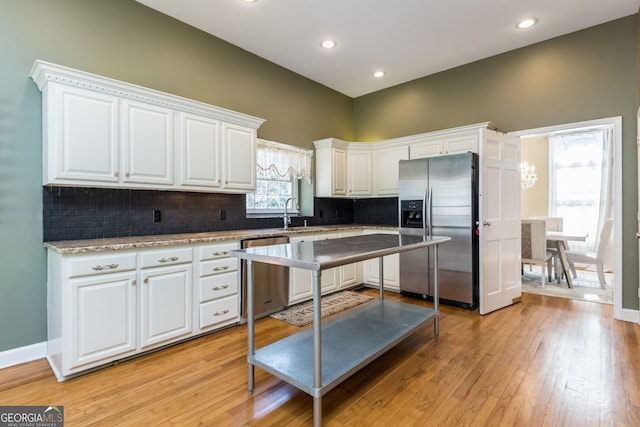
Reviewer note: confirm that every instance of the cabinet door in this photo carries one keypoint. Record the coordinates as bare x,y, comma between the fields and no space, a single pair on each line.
80,135
350,274
391,265
391,272
166,304
300,280
428,148
387,169
200,151
102,323
359,172
338,172
461,144
239,157
147,141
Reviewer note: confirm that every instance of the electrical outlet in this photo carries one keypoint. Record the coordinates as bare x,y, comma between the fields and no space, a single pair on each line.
157,215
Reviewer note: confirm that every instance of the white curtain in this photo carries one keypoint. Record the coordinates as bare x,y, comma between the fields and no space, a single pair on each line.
581,182
284,160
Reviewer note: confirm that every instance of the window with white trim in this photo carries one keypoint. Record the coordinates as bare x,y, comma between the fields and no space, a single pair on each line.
279,168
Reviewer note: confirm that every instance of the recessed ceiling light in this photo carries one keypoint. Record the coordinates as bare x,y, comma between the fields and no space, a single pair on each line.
379,74
249,1
329,44
527,23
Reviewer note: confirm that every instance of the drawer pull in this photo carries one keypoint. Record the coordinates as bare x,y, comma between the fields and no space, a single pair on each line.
219,288
170,259
146,280
220,313
105,267
222,268
219,253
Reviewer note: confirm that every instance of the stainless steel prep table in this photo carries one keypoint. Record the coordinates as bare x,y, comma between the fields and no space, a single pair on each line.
352,339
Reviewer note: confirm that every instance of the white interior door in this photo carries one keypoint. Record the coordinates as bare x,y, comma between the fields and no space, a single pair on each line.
500,279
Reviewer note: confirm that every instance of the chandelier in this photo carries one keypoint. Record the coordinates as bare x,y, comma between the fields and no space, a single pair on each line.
528,176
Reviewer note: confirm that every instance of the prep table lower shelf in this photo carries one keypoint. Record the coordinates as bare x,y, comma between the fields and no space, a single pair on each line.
349,342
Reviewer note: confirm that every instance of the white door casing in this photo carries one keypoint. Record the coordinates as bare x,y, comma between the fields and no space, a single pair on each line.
500,279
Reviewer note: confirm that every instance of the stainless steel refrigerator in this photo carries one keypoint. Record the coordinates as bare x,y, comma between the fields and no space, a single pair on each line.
439,196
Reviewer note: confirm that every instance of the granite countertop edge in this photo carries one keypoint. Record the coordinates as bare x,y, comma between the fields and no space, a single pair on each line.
69,247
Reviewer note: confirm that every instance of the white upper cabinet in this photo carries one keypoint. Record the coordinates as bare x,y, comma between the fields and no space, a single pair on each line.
147,143
432,146
82,134
356,169
101,132
331,168
239,157
387,170
359,172
200,151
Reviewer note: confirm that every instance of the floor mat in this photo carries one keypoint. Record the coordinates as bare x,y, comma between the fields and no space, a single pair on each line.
302,314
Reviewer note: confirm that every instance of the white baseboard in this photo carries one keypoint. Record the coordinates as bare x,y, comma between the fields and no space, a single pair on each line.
17,356
630,315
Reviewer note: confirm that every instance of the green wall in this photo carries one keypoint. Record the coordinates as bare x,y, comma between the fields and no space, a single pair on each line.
127,41
590,74
553,82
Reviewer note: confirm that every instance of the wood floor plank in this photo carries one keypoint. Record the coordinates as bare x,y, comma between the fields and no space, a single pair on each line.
545,361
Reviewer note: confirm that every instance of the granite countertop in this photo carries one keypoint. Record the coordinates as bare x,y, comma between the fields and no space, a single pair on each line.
136,242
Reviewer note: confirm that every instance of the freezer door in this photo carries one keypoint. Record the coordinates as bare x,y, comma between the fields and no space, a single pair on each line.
412,177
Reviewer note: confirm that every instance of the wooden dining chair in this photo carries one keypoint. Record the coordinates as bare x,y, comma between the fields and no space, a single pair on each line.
597,257
534,246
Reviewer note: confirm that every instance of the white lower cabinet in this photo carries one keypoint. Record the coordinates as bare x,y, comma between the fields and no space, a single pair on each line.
218,300
301,281
103,307
391,267
102,319
165,305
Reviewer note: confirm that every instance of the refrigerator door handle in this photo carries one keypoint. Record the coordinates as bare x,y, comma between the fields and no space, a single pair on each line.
426,211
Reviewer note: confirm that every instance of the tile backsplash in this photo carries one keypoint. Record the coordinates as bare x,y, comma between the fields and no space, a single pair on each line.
71,213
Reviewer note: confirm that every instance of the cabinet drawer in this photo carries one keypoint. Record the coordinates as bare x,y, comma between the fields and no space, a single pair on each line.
218,286
219,250
218,311
165,257
91,265
217,266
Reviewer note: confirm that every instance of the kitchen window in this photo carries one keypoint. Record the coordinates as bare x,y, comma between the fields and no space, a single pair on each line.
278,171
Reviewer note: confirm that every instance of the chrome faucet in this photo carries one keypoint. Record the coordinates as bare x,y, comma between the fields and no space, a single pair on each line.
286,218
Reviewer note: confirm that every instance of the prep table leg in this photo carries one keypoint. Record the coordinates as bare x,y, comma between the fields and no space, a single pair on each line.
436,300
317,347
250,325
381,275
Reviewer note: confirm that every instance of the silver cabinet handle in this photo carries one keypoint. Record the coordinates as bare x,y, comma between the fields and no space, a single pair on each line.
219,288
219,253
487,223
170,259
224,267
105,267
221,312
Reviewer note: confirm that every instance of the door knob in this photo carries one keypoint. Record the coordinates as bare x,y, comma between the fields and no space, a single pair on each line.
487,223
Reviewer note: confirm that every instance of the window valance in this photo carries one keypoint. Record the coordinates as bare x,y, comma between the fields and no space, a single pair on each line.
283,159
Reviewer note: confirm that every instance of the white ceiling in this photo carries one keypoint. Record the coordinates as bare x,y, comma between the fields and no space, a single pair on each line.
408,39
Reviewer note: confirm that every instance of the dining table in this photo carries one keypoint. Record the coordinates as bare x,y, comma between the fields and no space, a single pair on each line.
559,239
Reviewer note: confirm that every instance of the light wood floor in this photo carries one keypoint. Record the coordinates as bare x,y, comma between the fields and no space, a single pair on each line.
543,362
